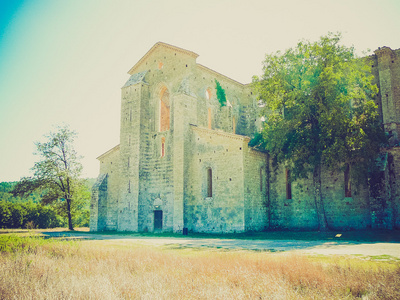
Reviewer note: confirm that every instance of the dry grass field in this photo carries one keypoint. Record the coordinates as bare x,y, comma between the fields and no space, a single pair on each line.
36,268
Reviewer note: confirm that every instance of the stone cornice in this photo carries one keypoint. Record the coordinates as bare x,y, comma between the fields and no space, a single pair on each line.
157,45
220,133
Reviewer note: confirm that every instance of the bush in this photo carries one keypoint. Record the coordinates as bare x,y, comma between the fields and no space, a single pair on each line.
28,215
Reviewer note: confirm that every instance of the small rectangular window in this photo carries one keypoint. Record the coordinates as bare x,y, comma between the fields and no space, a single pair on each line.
209,119
347,182
209,182
288,185
162,146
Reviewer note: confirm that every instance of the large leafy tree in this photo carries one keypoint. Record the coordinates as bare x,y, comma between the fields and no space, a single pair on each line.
319,110
57,174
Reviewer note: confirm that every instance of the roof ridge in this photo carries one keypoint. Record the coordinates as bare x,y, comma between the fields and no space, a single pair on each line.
161,44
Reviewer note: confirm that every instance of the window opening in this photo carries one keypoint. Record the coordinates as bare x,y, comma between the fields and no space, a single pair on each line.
347,182
208,94
288,185
209,118
209,182
164,110
261,180
129,186
162,146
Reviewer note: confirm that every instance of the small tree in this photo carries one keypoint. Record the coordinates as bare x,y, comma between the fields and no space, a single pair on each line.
56,174
320,112
221,96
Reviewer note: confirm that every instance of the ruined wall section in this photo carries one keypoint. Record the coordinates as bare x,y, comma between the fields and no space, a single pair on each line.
224,211
249,113
255,189
345,212
299,213
240,113
386,70
381,193
394,176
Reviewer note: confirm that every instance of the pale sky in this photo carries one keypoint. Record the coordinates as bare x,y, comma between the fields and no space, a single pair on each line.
65,61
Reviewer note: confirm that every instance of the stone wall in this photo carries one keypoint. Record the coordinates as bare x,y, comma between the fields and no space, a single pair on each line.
394,179
224,210
255,189
298,212
105,193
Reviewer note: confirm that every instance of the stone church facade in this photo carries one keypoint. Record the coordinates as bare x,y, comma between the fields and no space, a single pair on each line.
184,163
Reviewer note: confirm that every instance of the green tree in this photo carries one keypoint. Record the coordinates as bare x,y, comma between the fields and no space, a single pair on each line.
319,109
221,96
57,175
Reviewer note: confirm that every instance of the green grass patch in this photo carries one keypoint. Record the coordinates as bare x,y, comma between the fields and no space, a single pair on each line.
32,243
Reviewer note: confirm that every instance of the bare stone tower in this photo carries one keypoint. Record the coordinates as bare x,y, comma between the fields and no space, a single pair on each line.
387,74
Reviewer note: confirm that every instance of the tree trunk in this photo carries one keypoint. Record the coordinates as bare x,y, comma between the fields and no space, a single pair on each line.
69,215
319,203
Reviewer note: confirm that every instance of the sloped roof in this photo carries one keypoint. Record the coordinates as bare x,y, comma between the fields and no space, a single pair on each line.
156,46
215,73
116,148
135,78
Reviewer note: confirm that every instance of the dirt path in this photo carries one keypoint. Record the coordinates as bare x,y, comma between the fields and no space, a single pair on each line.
324,247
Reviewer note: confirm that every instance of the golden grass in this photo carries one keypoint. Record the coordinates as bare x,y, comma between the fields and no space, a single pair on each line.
33,268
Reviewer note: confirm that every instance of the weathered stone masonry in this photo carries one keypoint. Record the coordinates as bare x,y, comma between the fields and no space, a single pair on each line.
184,162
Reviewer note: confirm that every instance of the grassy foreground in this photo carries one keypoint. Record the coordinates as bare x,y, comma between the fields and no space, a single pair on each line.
36,268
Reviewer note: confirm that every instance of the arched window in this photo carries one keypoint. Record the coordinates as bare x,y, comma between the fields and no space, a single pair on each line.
209,182
208,94
164,110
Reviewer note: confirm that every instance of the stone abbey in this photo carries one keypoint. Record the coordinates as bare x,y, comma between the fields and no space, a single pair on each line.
184,163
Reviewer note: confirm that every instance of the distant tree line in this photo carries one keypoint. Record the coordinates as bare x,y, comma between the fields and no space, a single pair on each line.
29,212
